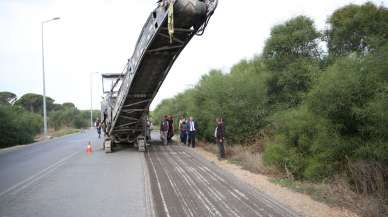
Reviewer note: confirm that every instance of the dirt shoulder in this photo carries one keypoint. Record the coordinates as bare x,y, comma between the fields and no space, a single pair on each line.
299,202
57,133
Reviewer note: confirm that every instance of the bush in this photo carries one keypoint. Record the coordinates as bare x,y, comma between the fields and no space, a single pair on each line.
303,144
19,123
345,117
18,126
70,116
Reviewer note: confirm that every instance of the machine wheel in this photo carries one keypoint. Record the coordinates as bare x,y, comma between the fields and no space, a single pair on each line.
108,146
141,143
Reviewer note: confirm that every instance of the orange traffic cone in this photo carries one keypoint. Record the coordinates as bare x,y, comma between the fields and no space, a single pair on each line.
89,149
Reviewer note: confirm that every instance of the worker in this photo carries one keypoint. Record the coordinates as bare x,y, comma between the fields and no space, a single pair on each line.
170,133
164,127
98,127
220,137
193,129
183,130
104,120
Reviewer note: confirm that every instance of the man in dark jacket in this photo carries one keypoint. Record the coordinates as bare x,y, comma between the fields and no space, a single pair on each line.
193,129
183,130
170,132
98,127
164,127
220,137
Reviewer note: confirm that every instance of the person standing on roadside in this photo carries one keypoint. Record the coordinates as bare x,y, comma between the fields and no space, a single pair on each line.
98,127
193,128
183,130
220,137
164,127
170,133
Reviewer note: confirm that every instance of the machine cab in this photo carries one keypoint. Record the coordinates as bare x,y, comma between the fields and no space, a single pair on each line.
111,84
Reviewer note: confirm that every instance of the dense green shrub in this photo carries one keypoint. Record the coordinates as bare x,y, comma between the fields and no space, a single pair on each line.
18,126
21,121
344,118
70,116
296,145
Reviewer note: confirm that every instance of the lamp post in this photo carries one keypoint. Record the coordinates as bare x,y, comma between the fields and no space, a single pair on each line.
91,98
44,79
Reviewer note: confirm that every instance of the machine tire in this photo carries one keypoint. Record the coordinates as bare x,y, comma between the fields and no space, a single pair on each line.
108,146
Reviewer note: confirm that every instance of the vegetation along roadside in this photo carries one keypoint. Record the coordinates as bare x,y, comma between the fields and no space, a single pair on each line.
312,106
21,119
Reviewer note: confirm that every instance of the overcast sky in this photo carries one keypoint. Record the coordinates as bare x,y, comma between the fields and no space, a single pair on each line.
100,35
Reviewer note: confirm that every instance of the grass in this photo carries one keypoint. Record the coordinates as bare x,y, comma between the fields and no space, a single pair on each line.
246,157
58,133
64,132
335,192
319,192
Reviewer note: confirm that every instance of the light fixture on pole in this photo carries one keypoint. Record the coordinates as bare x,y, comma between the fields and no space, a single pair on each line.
44,79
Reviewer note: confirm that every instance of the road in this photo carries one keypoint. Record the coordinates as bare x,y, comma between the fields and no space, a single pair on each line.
58,178
185,184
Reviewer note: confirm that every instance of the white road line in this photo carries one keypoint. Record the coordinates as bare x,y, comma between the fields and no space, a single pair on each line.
148,191
25,183
213,211
160,188
265,200
174,186
185,206
213,191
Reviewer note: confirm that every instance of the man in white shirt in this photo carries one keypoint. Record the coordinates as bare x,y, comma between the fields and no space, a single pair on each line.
193,128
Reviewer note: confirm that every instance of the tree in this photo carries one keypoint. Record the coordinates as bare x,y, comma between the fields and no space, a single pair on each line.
357,28
239,97
34,103
68,105
297,38
292,55
7,98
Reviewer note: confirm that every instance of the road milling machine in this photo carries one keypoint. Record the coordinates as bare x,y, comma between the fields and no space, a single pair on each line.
125,107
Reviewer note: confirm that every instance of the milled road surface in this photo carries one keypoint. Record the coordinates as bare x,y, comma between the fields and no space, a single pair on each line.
185,184
58,178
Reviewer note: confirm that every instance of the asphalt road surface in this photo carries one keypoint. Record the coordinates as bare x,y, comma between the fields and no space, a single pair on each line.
185,184
58,178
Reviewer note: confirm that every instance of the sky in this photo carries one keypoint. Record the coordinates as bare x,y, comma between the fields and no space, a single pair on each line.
98,36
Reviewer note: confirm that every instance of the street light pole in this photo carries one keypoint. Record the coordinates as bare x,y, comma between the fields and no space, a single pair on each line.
91,99
44,79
